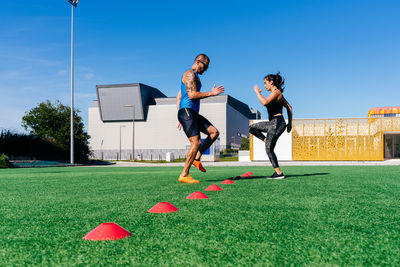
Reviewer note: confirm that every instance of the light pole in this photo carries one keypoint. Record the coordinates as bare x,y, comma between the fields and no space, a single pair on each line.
133,130
73,3
101,149
120,151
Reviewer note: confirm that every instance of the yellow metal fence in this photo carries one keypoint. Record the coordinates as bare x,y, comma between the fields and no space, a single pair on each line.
341,139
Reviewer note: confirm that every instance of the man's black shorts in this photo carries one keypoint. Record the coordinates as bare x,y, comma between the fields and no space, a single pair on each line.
192,122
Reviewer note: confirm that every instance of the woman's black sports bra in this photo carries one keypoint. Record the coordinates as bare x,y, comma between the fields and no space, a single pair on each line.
274,108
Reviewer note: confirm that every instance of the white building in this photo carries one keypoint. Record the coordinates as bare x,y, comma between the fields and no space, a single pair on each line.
154,131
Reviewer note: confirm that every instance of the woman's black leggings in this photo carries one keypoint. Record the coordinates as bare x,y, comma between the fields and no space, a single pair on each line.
274,128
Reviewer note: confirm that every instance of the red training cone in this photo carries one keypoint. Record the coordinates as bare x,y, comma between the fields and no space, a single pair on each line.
250,173
107,231
163,207
245,175
213,188
197,195
228,182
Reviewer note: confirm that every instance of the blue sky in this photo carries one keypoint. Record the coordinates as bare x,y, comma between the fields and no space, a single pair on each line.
339,58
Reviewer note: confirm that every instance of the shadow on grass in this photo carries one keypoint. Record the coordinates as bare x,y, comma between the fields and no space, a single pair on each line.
264,177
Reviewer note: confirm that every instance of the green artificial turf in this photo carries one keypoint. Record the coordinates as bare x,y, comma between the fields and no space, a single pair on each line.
317,216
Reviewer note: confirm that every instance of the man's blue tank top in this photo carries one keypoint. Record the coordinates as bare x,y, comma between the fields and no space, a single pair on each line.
185,101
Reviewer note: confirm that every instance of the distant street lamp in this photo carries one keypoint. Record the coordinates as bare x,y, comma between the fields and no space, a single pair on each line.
101,149
120,150
73,4
133,130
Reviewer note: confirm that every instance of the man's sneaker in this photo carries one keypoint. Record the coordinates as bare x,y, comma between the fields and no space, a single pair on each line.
277,176
188,180
198,165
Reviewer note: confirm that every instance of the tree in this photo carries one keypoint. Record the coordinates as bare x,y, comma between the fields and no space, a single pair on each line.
52,122
4,162
244,144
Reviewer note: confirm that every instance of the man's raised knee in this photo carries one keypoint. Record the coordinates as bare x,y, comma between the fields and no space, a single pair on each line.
215,134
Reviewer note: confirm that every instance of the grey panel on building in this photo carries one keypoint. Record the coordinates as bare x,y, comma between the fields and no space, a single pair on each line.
241,107
114,98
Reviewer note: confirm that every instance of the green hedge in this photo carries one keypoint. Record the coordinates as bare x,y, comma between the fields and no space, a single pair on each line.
30,147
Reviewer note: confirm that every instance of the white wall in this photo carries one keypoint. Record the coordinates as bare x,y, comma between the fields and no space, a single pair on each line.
283,148
158,132
216,114
107,132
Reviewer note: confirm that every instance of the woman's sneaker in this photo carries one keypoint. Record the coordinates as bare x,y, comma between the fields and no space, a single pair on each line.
276,176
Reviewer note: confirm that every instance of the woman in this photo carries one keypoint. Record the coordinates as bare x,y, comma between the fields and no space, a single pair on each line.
276,124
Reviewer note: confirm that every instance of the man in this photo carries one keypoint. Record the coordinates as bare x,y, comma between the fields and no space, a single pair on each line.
188,104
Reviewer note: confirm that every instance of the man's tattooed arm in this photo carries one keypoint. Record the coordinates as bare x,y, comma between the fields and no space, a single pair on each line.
190,80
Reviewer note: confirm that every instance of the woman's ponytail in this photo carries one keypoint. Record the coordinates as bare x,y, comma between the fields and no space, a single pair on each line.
277,80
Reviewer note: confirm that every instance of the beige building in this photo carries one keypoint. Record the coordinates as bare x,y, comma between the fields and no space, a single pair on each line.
353,139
